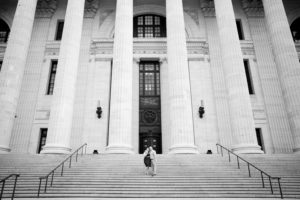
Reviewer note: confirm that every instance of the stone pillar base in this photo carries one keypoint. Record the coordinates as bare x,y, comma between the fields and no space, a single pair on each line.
247,149
183,149
119,149
4,149
296,150
55,149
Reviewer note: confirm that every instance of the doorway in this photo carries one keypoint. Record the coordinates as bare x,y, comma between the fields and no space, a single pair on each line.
150,106
259,138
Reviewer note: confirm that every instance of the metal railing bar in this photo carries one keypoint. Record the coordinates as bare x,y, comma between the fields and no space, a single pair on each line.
3,181
249,172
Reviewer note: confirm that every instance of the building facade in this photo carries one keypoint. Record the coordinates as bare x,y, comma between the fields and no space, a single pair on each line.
120,75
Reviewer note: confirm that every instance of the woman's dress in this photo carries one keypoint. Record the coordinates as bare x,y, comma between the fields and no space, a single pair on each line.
147,160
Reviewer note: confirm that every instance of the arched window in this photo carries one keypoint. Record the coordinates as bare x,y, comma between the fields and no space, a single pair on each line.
295,28
4,31
149,26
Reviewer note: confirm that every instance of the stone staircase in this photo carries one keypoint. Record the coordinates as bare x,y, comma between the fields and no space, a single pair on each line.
179,176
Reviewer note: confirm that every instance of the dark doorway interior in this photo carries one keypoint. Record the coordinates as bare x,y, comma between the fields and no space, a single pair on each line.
260,138
150,108
43,137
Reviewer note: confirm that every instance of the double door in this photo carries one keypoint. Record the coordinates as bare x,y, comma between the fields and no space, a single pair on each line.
150,107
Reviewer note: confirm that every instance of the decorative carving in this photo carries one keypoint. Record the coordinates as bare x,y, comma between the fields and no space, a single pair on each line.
46,8
91,8
253,8
193,14
208,8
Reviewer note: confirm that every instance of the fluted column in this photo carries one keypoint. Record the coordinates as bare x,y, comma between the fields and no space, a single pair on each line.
287,63
181,117
120,128
243,129
60,123
13,68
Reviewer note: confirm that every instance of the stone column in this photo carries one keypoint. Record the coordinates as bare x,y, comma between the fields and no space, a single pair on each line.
120,128
61,114
181,117
242,123
13,68
287,63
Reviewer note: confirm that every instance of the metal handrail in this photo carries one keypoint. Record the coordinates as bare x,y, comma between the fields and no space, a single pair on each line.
62,164
3,181
262,173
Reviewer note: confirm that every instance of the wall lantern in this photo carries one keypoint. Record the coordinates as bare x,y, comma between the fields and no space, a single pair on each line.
99,110
201,109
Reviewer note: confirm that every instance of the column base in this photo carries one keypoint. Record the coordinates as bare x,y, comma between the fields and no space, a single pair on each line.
296,150
119,149
4,149
184,149
247,149
55,149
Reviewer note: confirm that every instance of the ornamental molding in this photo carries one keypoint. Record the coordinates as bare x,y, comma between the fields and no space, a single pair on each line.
103,48
253,8
46,8
91,8
208,8
247,48
100,47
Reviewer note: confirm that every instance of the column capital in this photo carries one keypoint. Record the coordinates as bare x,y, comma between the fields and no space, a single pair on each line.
208,8
253,8
91,8
46,8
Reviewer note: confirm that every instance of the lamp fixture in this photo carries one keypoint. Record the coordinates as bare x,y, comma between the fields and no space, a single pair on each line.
99,110
201,109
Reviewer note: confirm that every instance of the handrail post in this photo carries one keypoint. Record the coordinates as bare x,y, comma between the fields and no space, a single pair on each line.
15,185
39,188
222,151
46,184
262,179
281,195
2,189
81,151
76,155
229,156
70,163
238,162
217,149
85,148
52,178
271,187
62,170
249,170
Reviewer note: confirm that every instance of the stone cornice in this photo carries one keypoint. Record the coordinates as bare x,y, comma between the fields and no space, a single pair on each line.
147,46
253,8
91,8
104,47
46,8
208,8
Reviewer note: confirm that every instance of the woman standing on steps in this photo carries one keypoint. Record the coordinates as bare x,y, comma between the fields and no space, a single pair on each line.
147,160
152,153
